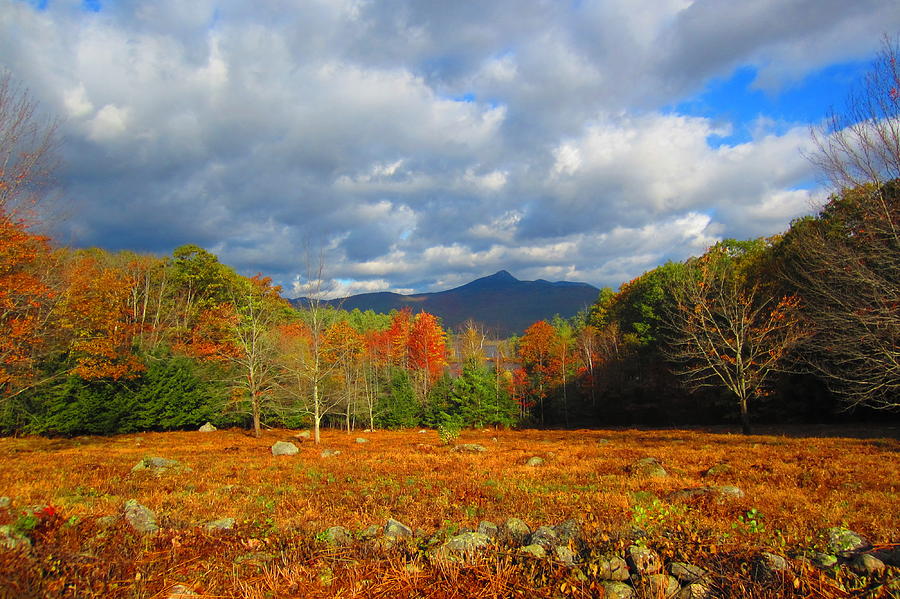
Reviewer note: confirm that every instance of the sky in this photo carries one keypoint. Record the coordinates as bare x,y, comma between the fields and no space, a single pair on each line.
419,144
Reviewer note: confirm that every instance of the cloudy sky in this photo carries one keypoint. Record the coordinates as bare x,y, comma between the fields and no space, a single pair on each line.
423,143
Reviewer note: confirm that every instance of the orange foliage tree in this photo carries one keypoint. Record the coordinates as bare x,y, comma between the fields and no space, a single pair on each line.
427,351
539,358
95,308
23,301
344,350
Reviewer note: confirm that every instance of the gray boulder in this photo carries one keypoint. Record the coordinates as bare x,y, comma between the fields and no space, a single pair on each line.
617,590
843,541
155,465
396,530
612,567
720,492
362,440
659,585
302,435
567,531
12,539
565,555
488,529
718,470
642,560
140,518
284,448
207,428
469,448
338,535
647,468
695,590
179,591
544,536
535,462
534,551
515,531
220,524
330,453
463,547
687,573
768,566
866,564
4,503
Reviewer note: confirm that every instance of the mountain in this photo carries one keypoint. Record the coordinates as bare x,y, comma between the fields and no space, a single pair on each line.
500,302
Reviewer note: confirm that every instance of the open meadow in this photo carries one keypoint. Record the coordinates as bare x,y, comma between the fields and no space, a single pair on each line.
790,487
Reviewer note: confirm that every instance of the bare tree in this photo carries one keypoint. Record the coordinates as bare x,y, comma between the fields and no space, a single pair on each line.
725,331
28,145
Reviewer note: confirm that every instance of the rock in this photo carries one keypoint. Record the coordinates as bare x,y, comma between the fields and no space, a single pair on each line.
843,541
643,561
488,529
695,590
648,468
303,435
104,522
723,492
370,532
140,518
544,536
156,465
362,440
514,530
612,567
567,531
12,539
866,564
659,585
179,591
824,560
534,551
220,524
463,547
284,448
565,556
4,503
889,556
767,566
469,448
687,573
719,470
617,590
535,462
207,428
325,576
397,530
338,535
330,453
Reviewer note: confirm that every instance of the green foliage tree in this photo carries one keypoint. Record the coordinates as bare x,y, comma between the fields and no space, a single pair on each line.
398,408
478,400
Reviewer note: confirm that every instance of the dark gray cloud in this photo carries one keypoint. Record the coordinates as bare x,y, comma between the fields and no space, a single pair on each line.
422,144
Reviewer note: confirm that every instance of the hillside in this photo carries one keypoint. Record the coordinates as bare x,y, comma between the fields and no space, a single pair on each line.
501,302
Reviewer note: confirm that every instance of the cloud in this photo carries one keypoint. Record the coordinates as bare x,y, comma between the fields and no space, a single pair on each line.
424,144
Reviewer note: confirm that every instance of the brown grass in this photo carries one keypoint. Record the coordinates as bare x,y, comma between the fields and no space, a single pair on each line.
799,482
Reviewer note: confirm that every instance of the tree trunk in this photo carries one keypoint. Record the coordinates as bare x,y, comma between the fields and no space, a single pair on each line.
745,418
316,416
254,401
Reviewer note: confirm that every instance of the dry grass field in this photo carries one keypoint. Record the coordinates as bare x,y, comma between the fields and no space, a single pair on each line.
795,484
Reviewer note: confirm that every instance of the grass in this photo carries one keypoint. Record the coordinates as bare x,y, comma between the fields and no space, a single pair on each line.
794,486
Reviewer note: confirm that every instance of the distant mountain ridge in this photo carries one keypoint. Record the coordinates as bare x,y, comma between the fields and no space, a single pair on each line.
502,303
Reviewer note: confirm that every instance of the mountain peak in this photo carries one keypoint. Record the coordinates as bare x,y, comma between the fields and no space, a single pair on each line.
500,275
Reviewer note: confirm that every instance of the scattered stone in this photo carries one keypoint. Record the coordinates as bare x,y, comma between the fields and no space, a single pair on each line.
469,448
565,556
719,470
5,503
330,453
367,430
722,492
12,539
695,590
207,428
156,465
515,531
397,530
687,573
179,591
617,590
370,532
423,431
824,560
303,435
338,535
769,565
612,567
843,541
284,448
648,468
463,547
220,524
568,531
659,585
325,576
488,529
362,440
866,564
534,551
544,536
535,461
140,518
643,561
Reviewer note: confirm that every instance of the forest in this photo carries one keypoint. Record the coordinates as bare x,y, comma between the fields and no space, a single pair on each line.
797,327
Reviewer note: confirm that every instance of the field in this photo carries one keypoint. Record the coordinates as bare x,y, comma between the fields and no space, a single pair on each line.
795,483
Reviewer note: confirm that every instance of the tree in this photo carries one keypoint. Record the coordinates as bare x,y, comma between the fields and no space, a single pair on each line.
27,151
536,352
845,264
344,349
725,330
427,352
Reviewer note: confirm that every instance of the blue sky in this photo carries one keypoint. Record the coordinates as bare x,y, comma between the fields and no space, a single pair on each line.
424,144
